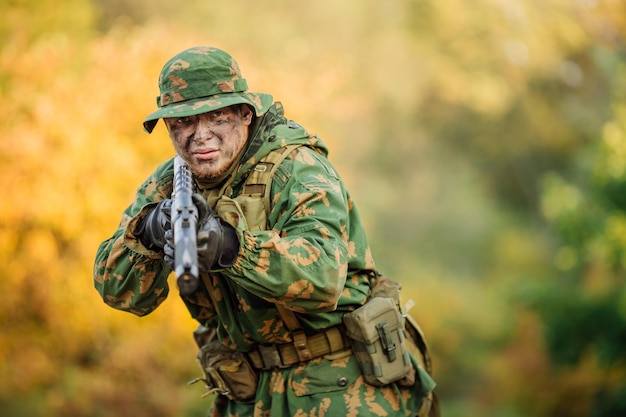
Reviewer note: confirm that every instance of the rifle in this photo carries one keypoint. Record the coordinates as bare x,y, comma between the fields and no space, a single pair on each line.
184,227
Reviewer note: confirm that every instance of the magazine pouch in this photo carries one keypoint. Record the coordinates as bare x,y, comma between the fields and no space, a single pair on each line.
227,372
377,336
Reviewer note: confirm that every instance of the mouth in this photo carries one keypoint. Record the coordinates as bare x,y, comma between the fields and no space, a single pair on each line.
205,154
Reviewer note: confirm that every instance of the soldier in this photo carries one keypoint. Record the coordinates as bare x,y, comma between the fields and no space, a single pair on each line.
281,249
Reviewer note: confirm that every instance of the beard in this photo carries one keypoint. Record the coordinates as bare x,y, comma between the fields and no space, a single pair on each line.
211,176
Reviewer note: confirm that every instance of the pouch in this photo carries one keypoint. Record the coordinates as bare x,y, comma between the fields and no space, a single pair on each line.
377,335
227,372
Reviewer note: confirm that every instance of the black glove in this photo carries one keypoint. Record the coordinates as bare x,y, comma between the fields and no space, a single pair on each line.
218,245
151,229
216,240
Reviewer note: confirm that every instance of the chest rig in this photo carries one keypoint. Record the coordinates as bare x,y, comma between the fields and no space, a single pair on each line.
254,197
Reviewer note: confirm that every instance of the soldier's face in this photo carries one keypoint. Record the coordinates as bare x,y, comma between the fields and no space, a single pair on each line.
210,142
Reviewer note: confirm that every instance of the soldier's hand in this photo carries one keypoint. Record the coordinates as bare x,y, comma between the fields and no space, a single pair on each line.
168,250
217,241
218,244
152,228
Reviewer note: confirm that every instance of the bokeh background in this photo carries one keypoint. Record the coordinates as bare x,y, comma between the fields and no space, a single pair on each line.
484,142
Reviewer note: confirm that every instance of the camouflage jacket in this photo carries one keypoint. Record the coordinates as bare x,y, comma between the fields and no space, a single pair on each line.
312,257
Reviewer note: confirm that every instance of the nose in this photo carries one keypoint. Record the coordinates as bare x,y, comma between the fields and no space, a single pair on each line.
203,129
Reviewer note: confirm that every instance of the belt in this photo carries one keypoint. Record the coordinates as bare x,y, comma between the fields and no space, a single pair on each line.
302,349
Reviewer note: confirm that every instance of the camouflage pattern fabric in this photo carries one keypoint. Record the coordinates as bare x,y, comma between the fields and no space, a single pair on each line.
326,388
199,80
312,259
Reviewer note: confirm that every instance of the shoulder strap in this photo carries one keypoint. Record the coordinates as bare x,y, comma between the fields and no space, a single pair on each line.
259,182
260,179
289,317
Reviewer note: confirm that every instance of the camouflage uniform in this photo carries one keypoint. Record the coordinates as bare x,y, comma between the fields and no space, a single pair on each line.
312,258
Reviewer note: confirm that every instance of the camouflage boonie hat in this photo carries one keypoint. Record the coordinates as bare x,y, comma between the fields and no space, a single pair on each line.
200,80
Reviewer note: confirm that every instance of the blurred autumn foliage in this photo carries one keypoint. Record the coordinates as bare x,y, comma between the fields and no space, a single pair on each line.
484,141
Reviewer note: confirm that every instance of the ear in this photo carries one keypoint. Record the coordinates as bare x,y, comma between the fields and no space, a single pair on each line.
246,114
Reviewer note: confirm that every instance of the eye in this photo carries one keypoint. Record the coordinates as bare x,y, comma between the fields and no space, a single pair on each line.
219,117
184,120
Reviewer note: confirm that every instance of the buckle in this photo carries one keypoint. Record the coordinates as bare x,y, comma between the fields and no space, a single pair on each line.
262,167
270,357
386,340
301,343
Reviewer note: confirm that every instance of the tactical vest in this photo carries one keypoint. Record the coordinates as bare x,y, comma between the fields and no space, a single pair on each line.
254,198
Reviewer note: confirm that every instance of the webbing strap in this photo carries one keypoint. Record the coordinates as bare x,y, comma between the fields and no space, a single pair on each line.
325,342
259,180
300,340
288,316
259,183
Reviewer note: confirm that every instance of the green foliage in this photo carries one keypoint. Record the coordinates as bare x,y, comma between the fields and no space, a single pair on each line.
579,323
584,310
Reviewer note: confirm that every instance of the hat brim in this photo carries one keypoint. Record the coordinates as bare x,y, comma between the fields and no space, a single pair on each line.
260,101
